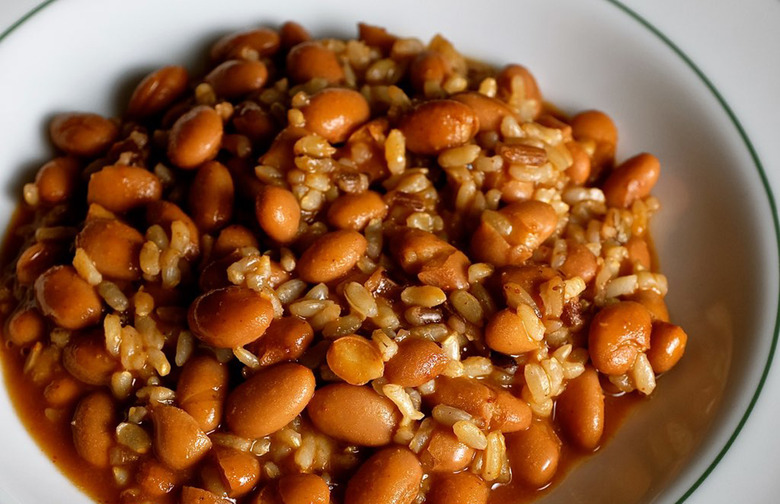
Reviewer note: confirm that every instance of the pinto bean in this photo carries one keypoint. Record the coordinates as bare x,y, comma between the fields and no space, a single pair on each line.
230,317
178,440
287,338
164,213
121,188
56,180
390,476
617,334
433,260
376,36
156,479
278,213
36,259
259,42
193,495
458,488
580,262
158,91
236,78
429,66
239,471
335,113
517,82
445,453
86,358
354,211
292,34
211,197
580,410
667,346
269,400
331,256
579,171
508,331
25,326
201,390
632,180
490,111
416,362
258,125
67,299
436,125
303,489
83,134
354,414
534,454
195,137
355,359
231,238
654,303
597,127
113,247
510,413
93,425
312,60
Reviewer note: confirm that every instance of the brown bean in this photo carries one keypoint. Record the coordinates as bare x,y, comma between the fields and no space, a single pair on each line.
390,476
113,247
580,262
617,334
259,42
579,171
416,362
234,78
639,257
278,213
366,147
507,332
155,479
158,91
62,391
490,111
25,326
211,197
580,410
435,125
281,153
231,238
654,303
459,488
335,113
67,299
36,259
86,358
331,256
444,453
515,81
632,180
83,134
354,211
94,422
429,66
354,414
201,390
230,317
178,440
534,454
303,489
56,180
433,260
597,127
121,188
164,214
510,413
250,120
292,34
286,339
239,471
193,495
195,137
376,36
667,346
355,359
269,400
312,60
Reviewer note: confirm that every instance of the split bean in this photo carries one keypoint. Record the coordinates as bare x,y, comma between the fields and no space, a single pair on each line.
286,339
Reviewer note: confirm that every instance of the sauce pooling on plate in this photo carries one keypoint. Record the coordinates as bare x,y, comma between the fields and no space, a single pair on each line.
355,271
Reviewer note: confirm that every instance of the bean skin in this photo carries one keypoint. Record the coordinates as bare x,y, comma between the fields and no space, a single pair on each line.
490,111
331,256
354,414
193,495
278,213
83,134
113,246
94,422
309,60
195,137
303,489
667,346
390,476
158,91
458,488
597,127
269,400
335,113
67,299
178,440
433,260
234,78
505,88
417,361
580,410
239,470
632,180
445,453
86,358
25,326
534,454
355,359
230,317
56,180
121,188
201,390
263,42
164,213
286,339
436,125
211,197
617,334
354,211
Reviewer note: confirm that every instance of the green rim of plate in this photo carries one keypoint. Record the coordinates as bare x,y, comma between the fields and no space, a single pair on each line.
756,161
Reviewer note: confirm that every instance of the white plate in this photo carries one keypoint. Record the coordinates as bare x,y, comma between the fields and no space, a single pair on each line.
717,234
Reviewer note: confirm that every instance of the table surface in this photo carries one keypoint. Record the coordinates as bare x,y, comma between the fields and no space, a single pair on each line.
740,57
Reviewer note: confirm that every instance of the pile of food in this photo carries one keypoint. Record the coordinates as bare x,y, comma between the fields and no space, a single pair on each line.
354,271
